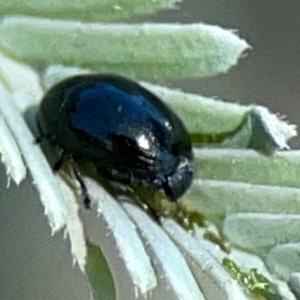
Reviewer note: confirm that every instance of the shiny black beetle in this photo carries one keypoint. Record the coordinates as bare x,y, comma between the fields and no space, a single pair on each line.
120,127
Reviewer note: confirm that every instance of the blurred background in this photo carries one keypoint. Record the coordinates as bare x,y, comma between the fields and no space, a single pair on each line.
34,265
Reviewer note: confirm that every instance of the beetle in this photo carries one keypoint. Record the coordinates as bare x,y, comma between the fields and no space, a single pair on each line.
127,133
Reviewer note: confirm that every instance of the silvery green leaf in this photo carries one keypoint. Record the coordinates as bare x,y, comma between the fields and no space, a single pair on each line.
277,262
213,123
89,10
217,199
259,232
56,73
41,172
74,227
294,284
126,238
269,133
204,115
210,266
166,258
20,78
252,262
259,130
59,201
10,154
281,169
157,51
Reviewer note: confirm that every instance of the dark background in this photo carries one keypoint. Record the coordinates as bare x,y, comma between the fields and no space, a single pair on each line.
34,265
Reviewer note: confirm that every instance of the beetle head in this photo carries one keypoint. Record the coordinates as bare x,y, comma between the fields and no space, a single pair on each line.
179,181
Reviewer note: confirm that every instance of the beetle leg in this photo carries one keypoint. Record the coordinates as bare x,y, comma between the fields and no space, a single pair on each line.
62,160
86,200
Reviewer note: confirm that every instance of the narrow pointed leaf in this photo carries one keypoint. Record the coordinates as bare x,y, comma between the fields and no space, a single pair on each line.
281,169
126,238
10,154
20,78
201,114
85,10
218,199
143,51
269,133
167,259
99,274
277,262
259,232
74,225
50,194
294,284
223,284
215,123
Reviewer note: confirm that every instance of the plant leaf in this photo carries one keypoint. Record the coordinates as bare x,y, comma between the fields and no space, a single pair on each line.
277,262
207,116
281,169
53,201
126,238
258,233
20,78
10,154
217,199
99,274
85,10
152,51
165,256
223,284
